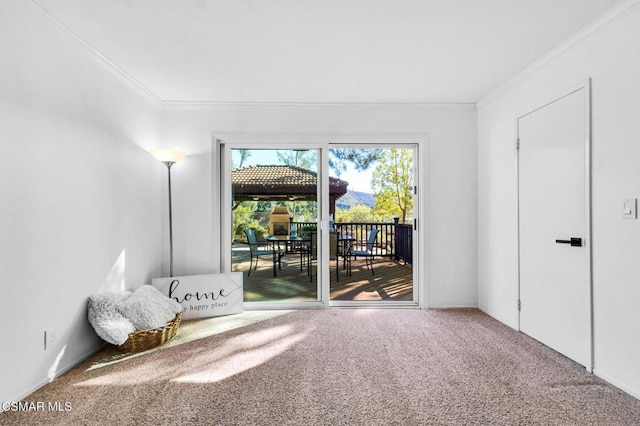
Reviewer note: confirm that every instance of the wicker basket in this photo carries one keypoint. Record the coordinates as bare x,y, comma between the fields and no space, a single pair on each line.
148,339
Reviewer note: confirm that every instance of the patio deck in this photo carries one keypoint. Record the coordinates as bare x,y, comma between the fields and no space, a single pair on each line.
392,280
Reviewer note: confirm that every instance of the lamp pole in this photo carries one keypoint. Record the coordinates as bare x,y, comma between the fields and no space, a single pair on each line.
169,157
169,164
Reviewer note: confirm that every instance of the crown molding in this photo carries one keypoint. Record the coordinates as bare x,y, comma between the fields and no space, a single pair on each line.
191,105
90,51
277,139
612,16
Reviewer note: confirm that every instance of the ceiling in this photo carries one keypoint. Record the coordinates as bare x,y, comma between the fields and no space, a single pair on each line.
335,51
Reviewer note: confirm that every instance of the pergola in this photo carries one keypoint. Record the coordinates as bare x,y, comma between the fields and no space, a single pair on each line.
282,183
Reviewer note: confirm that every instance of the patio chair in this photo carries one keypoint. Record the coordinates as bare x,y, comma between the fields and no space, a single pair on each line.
307,249
257,249
367,253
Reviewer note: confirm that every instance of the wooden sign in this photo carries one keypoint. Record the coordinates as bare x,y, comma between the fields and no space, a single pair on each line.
204,296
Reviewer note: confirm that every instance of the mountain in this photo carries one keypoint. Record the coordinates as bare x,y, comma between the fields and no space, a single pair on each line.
354,198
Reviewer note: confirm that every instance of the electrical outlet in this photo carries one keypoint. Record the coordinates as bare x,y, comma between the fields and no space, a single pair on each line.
630,208
50,337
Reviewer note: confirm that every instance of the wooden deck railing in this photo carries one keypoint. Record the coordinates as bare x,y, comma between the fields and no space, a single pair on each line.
404,243
394,240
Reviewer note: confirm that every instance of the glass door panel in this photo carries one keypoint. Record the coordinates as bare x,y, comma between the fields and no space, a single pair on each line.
372,225
274,223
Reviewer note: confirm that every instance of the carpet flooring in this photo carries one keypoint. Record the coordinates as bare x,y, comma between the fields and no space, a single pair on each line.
336,367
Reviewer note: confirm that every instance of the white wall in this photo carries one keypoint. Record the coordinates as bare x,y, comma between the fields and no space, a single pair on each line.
79,197
610,57
449,184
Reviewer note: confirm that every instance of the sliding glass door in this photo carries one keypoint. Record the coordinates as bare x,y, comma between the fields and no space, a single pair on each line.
333,224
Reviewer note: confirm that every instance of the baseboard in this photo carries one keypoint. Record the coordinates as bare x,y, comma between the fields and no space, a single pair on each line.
60,371
503,320
633,392
453,307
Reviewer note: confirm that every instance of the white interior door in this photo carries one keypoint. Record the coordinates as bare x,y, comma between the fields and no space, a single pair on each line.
555,282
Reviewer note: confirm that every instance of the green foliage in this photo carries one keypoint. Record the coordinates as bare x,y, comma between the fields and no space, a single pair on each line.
361,159
307,159
359,213
245,217
308,228
302,211
392,183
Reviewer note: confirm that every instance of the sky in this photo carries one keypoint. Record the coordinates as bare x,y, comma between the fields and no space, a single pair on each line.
358,181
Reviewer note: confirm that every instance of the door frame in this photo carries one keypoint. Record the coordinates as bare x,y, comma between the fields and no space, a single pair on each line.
586,86
222,195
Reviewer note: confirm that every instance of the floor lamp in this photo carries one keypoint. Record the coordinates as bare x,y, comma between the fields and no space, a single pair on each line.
169,157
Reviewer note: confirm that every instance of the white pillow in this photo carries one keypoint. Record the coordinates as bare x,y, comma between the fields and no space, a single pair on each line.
147,308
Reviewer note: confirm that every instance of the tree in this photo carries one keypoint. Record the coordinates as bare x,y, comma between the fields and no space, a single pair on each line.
361,159
244,155
307,159
245,217
392,183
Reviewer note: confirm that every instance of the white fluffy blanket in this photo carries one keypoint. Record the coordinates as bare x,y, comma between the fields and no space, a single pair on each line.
106,319
116,314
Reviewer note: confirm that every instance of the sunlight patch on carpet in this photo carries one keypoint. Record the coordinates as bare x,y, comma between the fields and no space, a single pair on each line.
195,330
245,353
215,362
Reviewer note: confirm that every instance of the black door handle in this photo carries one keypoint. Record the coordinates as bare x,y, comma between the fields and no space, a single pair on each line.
575,242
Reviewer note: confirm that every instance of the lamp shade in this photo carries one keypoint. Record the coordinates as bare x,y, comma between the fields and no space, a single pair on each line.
167,155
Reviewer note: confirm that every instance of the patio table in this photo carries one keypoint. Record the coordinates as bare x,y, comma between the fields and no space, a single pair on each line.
292,245
302,245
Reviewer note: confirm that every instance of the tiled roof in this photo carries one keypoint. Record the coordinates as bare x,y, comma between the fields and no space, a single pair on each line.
278,175
273,175
280,181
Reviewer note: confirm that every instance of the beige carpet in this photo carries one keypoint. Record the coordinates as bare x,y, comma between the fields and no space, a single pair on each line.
337,367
